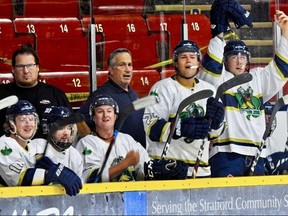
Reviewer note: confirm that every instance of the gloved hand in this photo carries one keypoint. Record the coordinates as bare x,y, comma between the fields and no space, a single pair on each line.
165,169
193,128
238,14
218,19
44,163
215,112
65,176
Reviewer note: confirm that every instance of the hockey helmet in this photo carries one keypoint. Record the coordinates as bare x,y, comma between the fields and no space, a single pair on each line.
51,116
22,107
234,47
186,46
103,100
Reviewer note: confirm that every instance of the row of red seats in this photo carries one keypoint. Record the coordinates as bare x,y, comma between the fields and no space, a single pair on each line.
150,39
72,8
62,42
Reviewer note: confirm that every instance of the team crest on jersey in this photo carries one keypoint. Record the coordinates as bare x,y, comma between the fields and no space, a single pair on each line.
6,151
248,104
193,110
87,151
154,93
127,175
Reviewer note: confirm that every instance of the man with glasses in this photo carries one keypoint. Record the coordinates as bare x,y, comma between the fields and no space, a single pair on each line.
118,87
26,85
233,153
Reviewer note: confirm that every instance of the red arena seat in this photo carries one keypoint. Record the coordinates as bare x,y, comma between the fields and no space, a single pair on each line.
51,8
101,7
198,27
129,31
6,10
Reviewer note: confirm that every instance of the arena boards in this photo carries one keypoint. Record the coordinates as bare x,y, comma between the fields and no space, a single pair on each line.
219,196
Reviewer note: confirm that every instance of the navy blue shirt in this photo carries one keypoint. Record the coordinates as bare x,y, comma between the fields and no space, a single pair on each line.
133,125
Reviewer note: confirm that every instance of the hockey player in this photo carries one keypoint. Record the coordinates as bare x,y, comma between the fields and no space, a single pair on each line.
233,152
18,153
58,146
193,127
128,160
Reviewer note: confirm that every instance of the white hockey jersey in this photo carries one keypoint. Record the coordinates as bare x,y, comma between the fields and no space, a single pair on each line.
244,111
93,150
171,93
15,160
70,157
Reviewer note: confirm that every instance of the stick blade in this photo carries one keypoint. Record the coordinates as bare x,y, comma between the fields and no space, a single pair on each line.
236,80
145,102
8,101
279,103
194,97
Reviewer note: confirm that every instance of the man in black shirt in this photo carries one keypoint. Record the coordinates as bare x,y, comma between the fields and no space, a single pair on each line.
25,71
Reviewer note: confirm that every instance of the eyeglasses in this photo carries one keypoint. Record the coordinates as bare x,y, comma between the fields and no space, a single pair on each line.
21,67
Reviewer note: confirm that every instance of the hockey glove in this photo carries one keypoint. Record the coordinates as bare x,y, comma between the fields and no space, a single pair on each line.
276,163
215,112
193,128
218,19
165,169
238,14
44,163
65,176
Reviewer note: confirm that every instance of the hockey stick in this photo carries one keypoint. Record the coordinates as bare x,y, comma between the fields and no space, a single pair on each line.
136,105
236,80
8,101
279,103
189,100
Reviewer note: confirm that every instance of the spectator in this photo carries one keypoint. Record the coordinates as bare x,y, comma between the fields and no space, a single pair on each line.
18,153
26,85
193,127
118,87
128,160
233,152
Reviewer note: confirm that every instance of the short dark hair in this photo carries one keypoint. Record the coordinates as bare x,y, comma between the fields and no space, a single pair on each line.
25,49
114,53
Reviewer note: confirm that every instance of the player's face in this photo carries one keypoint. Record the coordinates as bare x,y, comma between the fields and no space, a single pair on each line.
64,134
122,71
25,125
236,64
104,117
185,61
25,71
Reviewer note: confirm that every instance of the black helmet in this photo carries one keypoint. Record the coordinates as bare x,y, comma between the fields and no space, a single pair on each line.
52,114
22,107
234,47
186,46
103,100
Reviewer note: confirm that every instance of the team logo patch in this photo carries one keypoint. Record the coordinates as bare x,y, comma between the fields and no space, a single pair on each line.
6,151
45,102
248,104
87,151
